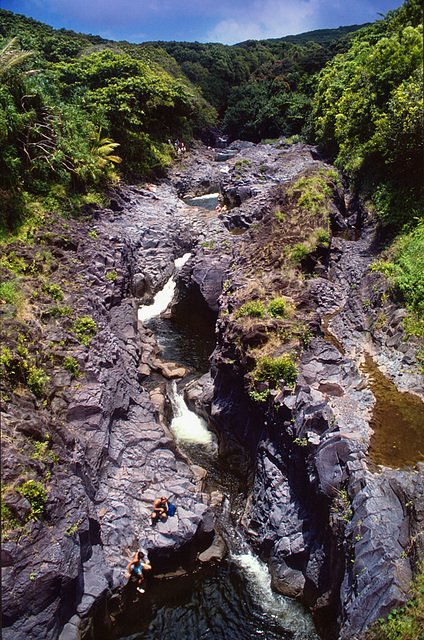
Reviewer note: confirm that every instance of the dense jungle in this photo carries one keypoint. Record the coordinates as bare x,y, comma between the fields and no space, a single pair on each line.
308,283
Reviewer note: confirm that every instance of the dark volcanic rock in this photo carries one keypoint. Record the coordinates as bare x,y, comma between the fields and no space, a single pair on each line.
337,534
110,458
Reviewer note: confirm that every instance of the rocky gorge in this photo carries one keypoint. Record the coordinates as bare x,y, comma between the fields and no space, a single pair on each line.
340,533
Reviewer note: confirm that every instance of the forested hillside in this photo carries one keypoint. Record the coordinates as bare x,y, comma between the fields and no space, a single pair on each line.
77,111
73,107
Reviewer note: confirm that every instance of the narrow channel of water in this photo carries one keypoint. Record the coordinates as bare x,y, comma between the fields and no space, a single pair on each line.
397,418
232,600
397,421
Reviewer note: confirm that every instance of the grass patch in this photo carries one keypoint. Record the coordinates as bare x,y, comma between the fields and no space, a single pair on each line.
112,275
72,366
85,328
11,294
36,495
322,236
272,370
253,308
53,290
406,623
37,380
316,190
278,308
299,251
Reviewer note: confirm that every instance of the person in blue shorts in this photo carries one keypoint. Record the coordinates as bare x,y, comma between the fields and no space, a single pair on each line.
137,568
159,510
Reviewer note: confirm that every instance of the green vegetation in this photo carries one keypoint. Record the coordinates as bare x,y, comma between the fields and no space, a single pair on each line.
272,370
342,505
85,328
36,495
37,380
259,396
368,113
322,236
72,365
299,251
10,293
58,311
53,290
406,623
253,308
18,368
406,268
66,107
278,308
301,442
112,275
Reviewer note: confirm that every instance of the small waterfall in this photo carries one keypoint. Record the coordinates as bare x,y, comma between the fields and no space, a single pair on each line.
187,426
281,609
232,600
164,296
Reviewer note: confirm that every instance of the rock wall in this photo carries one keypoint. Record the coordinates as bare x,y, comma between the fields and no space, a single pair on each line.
111,455
338,534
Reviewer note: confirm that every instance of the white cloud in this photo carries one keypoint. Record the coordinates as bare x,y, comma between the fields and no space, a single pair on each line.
269,19
260,19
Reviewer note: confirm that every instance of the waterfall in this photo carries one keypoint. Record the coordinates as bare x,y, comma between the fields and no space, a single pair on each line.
276,606
164,296
187,426
233,600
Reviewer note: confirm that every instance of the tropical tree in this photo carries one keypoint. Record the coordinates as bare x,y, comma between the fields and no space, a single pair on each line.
368,111
12,58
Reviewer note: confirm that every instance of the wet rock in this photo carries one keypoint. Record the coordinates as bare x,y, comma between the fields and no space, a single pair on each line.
141,287
287,581
215,553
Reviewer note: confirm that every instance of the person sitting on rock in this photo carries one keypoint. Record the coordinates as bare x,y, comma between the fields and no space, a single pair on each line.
159,510
136,568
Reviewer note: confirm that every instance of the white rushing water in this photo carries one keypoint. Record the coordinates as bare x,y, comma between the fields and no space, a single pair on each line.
274,604
187,426
164,296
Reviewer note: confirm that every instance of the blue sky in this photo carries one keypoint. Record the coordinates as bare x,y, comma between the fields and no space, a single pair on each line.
225,21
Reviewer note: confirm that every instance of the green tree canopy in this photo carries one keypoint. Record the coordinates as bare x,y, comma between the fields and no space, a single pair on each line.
368,111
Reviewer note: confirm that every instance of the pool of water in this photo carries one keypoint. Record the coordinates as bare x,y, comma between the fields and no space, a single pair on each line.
189,344
231,600
226,602
397,421
208,201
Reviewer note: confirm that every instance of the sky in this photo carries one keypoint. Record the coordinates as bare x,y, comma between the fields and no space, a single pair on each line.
225,21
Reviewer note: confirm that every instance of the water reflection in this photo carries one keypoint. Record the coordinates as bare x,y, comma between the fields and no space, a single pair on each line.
217,603
397,420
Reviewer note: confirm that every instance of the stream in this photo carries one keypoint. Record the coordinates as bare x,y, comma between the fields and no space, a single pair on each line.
397,418
228,600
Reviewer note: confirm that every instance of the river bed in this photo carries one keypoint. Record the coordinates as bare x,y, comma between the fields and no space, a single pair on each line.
232,599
